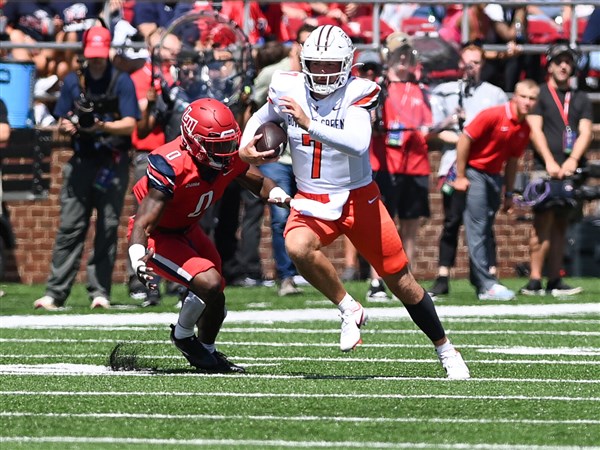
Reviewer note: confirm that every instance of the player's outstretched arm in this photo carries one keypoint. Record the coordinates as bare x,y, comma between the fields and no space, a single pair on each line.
264,187
146,219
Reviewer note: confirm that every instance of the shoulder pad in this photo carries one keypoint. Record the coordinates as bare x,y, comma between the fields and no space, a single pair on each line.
362,92
286,82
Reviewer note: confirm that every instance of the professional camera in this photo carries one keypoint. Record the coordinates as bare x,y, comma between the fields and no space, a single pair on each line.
547,193
83,115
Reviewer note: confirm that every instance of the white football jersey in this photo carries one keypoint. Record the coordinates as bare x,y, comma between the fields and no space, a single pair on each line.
334,155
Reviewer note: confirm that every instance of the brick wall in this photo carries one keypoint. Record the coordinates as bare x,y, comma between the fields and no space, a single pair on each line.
35,224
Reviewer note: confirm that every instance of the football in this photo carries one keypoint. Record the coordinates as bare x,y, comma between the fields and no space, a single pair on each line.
273,138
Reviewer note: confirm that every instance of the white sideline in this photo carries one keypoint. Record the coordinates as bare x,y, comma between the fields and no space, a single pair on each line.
295,315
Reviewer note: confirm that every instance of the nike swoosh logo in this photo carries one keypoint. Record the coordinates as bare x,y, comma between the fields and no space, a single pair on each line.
371,201
228,172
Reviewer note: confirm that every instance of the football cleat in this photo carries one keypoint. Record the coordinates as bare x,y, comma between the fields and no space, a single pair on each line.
454,365
194,352
352,320
225,365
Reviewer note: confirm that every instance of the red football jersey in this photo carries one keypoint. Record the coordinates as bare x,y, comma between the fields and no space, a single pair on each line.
192,187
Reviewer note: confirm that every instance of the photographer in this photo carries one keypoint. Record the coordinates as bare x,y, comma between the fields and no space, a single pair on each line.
561,132
454,104
98,109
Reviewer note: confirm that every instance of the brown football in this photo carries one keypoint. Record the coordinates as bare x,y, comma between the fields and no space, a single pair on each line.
273,138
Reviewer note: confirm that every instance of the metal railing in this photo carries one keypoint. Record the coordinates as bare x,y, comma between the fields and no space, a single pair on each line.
378,5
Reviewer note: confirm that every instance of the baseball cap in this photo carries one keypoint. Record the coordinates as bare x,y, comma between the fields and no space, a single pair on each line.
559,49
395,40
96,43
368,57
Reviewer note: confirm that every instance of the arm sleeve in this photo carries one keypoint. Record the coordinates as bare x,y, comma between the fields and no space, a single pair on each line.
353,139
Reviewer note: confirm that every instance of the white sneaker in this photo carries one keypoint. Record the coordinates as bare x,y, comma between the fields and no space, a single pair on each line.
454,365
299,280
100,302
46,302
497,292
351,323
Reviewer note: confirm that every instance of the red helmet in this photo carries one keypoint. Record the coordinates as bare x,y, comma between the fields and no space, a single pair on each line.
210,132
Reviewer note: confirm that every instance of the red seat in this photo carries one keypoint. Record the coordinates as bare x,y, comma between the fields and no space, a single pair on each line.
581,24
361,27
542,31
416,24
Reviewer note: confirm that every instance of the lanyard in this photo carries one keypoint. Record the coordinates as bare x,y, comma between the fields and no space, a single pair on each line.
563,109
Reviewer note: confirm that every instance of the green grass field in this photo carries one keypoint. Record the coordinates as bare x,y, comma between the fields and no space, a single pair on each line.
535,364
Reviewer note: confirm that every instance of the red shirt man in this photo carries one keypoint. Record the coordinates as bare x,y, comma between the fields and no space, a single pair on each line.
496,137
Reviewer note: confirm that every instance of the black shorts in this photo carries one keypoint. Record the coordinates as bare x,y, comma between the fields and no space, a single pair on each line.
404,196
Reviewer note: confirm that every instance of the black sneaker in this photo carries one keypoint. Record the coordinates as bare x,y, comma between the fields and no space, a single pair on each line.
225,365
533,287
194,352
557,288
153,298
377,291
440,286
137,290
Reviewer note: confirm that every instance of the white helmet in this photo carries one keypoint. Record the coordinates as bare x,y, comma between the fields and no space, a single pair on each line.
327,43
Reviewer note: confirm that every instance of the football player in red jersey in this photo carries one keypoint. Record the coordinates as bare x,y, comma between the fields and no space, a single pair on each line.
184,178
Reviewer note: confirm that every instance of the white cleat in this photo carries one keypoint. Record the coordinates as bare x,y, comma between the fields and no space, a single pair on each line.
46,302
352,320
100,302
454,365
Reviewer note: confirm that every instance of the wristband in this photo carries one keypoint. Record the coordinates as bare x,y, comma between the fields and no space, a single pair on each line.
508,194
136,253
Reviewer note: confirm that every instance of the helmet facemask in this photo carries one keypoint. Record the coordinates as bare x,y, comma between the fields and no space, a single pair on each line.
327,44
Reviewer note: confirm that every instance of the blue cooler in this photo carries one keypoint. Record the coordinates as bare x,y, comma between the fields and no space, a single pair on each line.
16,89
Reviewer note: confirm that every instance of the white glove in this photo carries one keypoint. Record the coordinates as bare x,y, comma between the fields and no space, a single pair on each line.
137,254
279,197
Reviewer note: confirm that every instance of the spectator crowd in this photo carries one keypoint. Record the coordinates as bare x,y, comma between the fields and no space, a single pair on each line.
143,63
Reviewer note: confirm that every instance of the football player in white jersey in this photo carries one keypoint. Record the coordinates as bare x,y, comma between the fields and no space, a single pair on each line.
327,115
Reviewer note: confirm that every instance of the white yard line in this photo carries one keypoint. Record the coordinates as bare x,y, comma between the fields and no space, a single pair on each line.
66,369
295,315
298,395
440,420
281,443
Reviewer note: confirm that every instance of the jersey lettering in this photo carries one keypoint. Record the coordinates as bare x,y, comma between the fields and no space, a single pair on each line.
204,202
174,154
